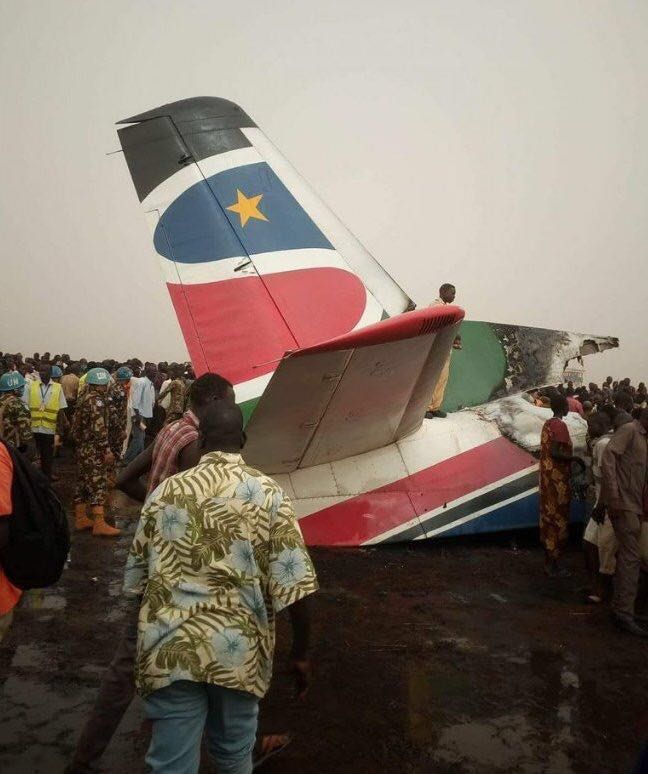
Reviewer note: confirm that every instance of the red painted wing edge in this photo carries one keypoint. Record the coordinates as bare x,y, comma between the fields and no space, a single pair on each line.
404,326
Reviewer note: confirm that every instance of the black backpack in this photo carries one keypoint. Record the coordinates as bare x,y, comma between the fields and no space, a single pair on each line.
39,534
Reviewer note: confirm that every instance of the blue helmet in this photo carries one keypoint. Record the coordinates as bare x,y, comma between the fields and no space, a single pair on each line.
98,376
56,372
11,381
123,374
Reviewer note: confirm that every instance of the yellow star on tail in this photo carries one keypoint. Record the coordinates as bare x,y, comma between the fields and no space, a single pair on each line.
247,208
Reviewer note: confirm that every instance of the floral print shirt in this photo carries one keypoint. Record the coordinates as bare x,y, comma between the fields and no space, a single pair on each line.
217,553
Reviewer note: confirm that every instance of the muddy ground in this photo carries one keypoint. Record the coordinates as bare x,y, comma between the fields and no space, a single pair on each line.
444,657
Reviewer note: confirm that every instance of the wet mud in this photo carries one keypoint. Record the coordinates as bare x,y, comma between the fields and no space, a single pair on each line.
449,657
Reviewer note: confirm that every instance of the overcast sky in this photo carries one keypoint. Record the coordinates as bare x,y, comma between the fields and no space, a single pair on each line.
501,146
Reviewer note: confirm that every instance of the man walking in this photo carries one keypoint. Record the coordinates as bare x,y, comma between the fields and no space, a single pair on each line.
44,399
624,468
94,456
222,542
175,449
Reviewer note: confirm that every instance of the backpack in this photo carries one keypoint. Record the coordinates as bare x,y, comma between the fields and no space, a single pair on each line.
39,535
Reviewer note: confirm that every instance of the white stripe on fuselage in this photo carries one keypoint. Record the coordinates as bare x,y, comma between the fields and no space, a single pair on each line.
433,443
430,531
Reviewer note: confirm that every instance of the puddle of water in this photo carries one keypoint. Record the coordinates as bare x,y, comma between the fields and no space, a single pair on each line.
502,743
41,599
33,713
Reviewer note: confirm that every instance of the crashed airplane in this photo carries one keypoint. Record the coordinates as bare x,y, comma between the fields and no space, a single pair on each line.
332,366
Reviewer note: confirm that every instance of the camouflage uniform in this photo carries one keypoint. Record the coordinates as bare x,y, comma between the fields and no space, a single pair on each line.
176,391
117,419
91,433
15,426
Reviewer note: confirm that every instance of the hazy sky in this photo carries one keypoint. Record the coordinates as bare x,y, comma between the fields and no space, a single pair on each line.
497,145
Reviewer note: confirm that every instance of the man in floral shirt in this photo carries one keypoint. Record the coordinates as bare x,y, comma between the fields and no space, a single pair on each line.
217,553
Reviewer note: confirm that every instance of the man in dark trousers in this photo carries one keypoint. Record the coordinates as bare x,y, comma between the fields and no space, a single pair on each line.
624,468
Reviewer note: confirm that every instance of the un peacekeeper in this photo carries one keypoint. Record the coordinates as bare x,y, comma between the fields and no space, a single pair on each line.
117,395
91,433
15,419
118,403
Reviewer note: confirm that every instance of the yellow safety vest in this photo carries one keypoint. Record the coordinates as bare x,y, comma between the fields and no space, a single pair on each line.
44,414
82,384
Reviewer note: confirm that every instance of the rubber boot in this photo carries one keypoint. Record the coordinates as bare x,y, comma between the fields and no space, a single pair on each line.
81,520
108,503
100,527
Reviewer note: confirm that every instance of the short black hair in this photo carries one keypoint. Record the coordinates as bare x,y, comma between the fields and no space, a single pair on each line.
623,400
559,404
599,424
209,387
222,425
446,286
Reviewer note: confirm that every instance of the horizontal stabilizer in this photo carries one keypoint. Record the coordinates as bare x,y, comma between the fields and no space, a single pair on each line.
357,392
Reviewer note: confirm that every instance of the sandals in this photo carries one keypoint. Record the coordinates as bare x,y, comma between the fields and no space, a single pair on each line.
268,746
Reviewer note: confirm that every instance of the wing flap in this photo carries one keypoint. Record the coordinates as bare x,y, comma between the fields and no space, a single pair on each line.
352,394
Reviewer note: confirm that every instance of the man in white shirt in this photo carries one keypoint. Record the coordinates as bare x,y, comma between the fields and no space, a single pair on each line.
142,399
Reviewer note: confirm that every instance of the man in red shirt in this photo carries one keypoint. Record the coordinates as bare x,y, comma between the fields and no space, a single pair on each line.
9,594
573,403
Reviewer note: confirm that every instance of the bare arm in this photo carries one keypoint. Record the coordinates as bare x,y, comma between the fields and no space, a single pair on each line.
300,619
189,456
615,449
129,480
558,454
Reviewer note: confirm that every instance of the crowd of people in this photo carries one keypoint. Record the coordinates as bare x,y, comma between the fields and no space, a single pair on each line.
217,553
615,472
200,652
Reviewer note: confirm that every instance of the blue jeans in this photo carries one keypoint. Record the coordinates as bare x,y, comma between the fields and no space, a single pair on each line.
136,445
183,709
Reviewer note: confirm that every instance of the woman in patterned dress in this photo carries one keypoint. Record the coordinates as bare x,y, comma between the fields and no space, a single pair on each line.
555,491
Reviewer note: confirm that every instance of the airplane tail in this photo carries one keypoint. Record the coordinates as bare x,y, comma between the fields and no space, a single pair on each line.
255,263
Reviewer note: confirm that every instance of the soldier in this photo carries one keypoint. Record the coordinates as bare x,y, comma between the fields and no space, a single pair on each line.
15,419
117,420
118,403
92,435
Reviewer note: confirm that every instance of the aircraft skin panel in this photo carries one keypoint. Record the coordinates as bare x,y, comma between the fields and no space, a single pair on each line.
497,360
262,273
360,391
379,283
497,465
250,270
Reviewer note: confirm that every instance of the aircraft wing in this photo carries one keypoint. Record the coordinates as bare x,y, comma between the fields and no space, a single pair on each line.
498,360
351,394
